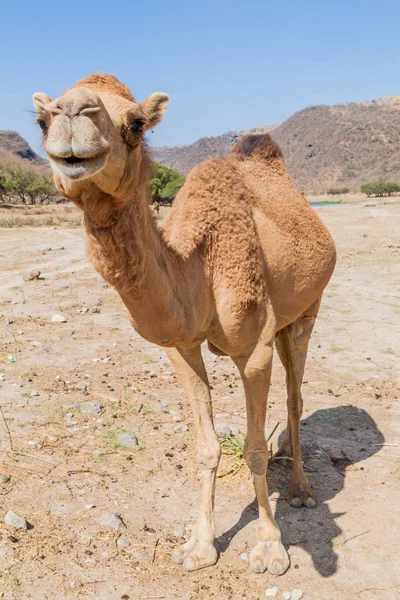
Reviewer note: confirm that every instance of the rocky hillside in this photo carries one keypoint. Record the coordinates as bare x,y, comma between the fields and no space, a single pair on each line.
324,146
184,158
13,148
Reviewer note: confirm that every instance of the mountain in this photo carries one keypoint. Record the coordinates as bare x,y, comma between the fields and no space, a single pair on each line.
13,148
324,146
184,158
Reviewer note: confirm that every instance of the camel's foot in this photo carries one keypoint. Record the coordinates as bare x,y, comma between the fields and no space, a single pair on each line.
271,556
195,555
300,494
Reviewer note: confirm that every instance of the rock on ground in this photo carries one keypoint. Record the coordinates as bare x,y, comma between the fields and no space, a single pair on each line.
89,407
222,429
128,439
30,275
271,592
297,594
11,518
111,520
58,319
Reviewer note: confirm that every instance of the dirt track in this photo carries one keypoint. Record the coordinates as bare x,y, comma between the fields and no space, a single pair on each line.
64,460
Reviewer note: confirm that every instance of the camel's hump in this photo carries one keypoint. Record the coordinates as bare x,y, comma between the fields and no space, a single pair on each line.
261,146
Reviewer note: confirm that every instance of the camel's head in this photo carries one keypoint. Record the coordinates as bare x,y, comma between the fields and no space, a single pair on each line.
94,133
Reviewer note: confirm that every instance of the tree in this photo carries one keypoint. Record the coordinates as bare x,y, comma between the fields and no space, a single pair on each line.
3,188
380,188
165,183
28,185
338,191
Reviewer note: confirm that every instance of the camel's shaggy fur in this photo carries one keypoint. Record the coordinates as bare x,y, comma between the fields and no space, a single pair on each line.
241,262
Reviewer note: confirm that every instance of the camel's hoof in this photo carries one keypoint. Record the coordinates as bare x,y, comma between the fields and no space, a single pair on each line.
301,495
195,555
203,555
271,556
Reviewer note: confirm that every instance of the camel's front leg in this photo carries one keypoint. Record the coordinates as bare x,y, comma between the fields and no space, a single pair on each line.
199,551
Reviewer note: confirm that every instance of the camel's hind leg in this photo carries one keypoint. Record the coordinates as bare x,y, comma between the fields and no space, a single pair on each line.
199,551
255,370
292,344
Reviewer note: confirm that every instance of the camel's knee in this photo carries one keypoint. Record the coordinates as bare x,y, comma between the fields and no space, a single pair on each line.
303,329
257,462
208,454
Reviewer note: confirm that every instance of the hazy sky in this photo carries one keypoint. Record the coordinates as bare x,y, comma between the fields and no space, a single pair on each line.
225,64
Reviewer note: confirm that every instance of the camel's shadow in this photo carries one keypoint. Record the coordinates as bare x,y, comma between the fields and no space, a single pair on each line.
333,441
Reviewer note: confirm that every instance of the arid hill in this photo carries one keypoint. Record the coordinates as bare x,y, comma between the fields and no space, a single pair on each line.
13,148
184,158
324,146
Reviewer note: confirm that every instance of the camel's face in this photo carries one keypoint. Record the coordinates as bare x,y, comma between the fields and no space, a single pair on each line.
95,135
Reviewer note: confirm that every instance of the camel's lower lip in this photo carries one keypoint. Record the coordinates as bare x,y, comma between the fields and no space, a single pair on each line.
75,168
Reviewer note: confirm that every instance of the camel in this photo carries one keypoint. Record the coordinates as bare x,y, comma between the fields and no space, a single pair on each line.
241,262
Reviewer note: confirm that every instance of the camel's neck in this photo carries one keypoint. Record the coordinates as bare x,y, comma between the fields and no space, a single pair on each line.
153,281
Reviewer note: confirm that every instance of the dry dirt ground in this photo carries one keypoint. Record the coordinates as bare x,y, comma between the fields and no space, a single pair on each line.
67,467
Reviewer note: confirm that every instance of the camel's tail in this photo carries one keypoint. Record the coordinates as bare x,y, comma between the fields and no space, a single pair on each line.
260,146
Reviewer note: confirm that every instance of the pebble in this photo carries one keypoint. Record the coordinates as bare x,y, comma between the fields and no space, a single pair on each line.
141,556
82,386
271,592
52,438
58,377
5,478
95,309
297,594
34,393
31,275
58,319
222,429
11,518
89,407
176,415
128,439
152,374
181,428
286,596
9,321
244,556
33,442
89,506
162,406
2,377
123,543
111,520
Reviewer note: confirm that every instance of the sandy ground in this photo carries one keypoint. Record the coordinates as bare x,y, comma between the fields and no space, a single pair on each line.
67,467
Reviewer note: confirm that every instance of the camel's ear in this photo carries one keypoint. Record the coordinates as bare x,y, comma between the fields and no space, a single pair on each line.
40,100
154,108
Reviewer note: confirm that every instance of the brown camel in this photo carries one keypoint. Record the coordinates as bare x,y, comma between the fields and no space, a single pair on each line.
241,262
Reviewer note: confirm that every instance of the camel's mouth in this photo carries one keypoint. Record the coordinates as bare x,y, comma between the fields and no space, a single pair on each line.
75,168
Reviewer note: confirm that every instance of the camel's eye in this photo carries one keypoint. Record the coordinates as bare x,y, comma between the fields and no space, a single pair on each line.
137,127
43,125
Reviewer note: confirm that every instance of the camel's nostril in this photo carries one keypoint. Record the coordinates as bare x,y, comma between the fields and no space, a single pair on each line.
72,160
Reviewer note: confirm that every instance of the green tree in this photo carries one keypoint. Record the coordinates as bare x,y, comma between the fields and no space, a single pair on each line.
28,185
338,191
380,188
165,183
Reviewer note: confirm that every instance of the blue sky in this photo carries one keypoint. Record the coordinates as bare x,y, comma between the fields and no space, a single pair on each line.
225,64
